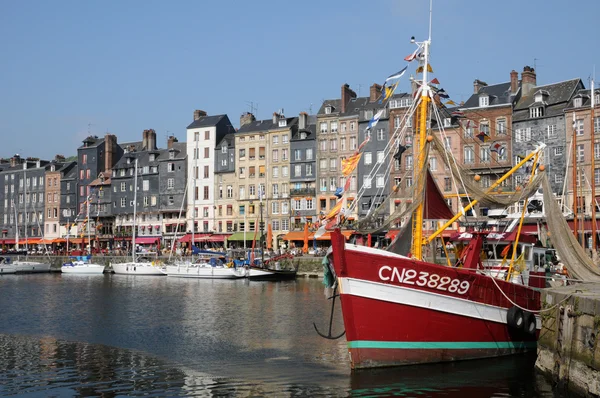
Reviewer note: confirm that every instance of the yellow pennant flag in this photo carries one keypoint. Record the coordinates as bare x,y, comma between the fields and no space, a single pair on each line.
450,102
389,91
336,209
349,164
420,69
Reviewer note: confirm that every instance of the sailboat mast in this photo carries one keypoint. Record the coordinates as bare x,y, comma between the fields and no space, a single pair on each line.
575,203
593,145
417,244
88,223
25,200
134,210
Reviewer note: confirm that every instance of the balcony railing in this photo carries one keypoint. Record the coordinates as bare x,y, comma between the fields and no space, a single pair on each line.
303,191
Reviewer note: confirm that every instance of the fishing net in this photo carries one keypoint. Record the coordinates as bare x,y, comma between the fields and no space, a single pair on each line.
572,255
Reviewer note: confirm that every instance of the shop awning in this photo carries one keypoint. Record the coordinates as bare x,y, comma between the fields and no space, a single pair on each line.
45,241
327,236
295,235
146,240
197,238
587,225
59,240
239,236
29,241
76,241
218,238
7,241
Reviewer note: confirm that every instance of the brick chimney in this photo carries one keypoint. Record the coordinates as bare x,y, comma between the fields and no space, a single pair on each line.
171,141
375,92
528,80
15,160
302,120
59,158
514,81
246,118
145,140
198,114
347,95
275,117
151,140
110,142
477,85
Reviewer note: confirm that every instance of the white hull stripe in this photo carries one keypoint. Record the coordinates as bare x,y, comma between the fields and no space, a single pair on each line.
424,299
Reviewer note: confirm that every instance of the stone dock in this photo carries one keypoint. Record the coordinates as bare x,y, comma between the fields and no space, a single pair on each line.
308,266
569,343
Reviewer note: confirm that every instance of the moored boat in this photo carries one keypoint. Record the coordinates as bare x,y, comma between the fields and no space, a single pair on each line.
82,265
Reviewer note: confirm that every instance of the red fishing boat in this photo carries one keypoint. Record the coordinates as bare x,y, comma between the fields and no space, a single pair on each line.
399,309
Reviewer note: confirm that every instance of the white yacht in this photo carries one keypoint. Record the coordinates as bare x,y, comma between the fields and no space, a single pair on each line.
82,265
209,266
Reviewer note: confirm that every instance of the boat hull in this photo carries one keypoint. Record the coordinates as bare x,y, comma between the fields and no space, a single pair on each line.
265,274
28,267
138,269
7,269
207,272
94,269
396,312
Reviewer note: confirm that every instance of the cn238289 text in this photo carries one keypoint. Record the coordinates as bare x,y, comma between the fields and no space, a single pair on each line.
409,276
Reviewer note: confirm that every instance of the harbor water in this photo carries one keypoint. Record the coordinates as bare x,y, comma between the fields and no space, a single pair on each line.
116,335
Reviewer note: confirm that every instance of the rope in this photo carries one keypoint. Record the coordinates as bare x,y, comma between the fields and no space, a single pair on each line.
526,309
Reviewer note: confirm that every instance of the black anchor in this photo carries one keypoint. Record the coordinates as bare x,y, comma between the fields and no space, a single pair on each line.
328,335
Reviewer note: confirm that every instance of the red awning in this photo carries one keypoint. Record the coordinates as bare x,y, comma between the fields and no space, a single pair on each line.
146,240
587,225
197,238
7,241
219,237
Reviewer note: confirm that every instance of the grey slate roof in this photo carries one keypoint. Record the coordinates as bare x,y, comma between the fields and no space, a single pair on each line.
206,121
584,94
229,139
336,104
499,95
265,125
93,141
559,95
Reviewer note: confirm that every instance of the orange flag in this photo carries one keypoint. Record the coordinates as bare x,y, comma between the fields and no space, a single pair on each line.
349,164
305,248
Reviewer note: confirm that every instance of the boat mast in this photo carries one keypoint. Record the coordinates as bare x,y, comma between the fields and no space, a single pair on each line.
89,197
194,176
134,210
575,199
417,243
593,147
25,199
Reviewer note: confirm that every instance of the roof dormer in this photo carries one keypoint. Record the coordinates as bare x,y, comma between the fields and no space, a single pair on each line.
484,100
328,109
541,96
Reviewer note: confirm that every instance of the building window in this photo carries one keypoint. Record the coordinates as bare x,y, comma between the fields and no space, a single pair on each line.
206,153
333,164
597,125
484,100
409,162
367,182
170,183
447,184
323,127
578,126
123,201
368,158
469,155
577,102
433,163
205,193
551,131
379,181
500,126
206,171
558,151
297,154
580,153
309,169
380,135
537,111
484,154
380,157
334,127
145,185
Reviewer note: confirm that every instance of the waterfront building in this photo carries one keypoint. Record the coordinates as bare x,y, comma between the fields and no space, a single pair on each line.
579,125
58,205
148,220
226,187
22,207
202,137
337,139
260,143
303,173
539,116
173,183
486,145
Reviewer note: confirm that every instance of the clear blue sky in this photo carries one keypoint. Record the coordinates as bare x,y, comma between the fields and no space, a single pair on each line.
126,66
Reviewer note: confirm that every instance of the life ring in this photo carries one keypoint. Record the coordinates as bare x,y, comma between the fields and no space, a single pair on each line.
515,318
530,323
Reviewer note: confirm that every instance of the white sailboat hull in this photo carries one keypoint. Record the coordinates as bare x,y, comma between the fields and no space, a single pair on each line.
205,271
7,269
138,269
83,269
27,267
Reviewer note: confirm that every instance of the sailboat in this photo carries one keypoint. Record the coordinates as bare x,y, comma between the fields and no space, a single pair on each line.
83,264
136,267
400,308
269,269
24,266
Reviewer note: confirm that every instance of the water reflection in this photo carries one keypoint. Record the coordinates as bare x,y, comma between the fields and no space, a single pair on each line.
128,335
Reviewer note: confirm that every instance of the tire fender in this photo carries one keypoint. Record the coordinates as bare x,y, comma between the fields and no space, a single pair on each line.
529,323
515,318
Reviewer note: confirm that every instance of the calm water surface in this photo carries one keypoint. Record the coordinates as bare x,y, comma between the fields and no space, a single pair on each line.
111,335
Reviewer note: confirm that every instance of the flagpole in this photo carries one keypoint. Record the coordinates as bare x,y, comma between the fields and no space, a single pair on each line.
575,199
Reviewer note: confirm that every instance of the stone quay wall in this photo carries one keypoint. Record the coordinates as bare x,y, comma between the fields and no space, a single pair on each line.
569,343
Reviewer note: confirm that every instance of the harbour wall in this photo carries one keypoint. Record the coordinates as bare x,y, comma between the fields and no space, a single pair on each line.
569,343
308,266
